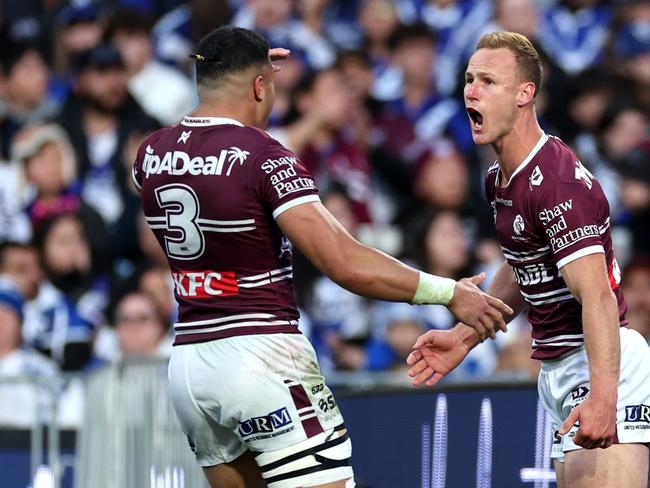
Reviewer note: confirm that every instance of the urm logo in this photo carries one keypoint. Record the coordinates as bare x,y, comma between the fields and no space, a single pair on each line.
637,413
265,424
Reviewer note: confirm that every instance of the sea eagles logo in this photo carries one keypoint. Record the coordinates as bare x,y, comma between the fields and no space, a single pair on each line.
236,155
518,225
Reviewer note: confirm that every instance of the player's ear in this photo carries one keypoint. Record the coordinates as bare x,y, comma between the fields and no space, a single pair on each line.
526,93
258,88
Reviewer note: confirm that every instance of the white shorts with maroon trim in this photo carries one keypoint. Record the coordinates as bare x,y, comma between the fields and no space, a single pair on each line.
264,393
564,383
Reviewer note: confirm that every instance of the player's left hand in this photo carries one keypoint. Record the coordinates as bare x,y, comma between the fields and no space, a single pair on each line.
278,54
435,354
597,420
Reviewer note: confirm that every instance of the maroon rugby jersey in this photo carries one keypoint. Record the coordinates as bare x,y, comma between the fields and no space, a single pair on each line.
211,189
552,212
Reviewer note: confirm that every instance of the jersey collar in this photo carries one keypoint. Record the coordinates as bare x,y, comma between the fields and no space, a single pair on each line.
524,163
207,121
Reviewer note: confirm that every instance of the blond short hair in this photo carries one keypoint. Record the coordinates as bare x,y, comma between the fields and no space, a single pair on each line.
526,56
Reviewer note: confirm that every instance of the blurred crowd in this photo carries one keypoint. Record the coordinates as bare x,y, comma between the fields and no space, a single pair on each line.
371,101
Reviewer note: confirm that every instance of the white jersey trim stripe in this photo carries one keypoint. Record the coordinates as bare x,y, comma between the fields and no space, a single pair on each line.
546,294
225,229
585,251
525,253
550,300
294,203
559,344
208,121
218,328
273,272
229,318
265,282
226,222
155,219
524,163
559,338
306,417
526,258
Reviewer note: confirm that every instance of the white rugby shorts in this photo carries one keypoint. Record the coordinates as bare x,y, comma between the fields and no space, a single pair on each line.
264,393
564,384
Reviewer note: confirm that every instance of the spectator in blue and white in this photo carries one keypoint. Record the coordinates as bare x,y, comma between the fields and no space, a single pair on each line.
590,95
23,403
139,330
49,183
337,315
455,23
574,33
71,303
418,102
378,20
162,91
275,21
79,29
24,77
631,48
332,19
622,127
176,33
98,117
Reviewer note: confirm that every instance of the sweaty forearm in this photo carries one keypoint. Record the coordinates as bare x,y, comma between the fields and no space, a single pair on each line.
602,341
374,274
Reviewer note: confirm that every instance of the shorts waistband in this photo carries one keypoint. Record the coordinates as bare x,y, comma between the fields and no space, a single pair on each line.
551,364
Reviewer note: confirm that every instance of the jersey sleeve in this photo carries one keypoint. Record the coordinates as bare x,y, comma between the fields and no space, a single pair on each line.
280,181
571,216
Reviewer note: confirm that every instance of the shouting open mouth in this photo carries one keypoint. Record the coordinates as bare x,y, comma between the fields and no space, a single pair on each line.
476,117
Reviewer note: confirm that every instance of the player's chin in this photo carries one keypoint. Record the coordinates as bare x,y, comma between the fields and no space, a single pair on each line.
481,138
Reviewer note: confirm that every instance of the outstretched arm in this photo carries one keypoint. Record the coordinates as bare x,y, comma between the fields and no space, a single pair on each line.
437,352
372,273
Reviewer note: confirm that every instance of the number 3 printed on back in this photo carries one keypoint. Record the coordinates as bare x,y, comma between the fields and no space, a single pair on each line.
181,207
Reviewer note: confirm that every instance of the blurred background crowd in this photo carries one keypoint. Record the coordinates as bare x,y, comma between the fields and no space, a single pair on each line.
371,101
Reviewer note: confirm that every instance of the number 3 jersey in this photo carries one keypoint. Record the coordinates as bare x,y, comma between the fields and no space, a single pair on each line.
552,212
211,189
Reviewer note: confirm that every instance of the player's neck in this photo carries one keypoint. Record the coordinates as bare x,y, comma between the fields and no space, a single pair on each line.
240,112
513,148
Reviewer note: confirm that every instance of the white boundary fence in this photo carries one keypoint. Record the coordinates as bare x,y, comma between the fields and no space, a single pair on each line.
129,436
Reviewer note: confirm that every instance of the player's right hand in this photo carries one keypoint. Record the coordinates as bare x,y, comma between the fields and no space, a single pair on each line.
597,423
435,354
473,307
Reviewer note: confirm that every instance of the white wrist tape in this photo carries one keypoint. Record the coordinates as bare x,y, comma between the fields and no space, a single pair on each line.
434,290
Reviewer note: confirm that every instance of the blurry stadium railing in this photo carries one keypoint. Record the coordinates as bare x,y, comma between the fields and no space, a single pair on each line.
130,436
44,391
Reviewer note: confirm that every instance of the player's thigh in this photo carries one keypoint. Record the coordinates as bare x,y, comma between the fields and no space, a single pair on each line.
617,466
240,473
559,473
